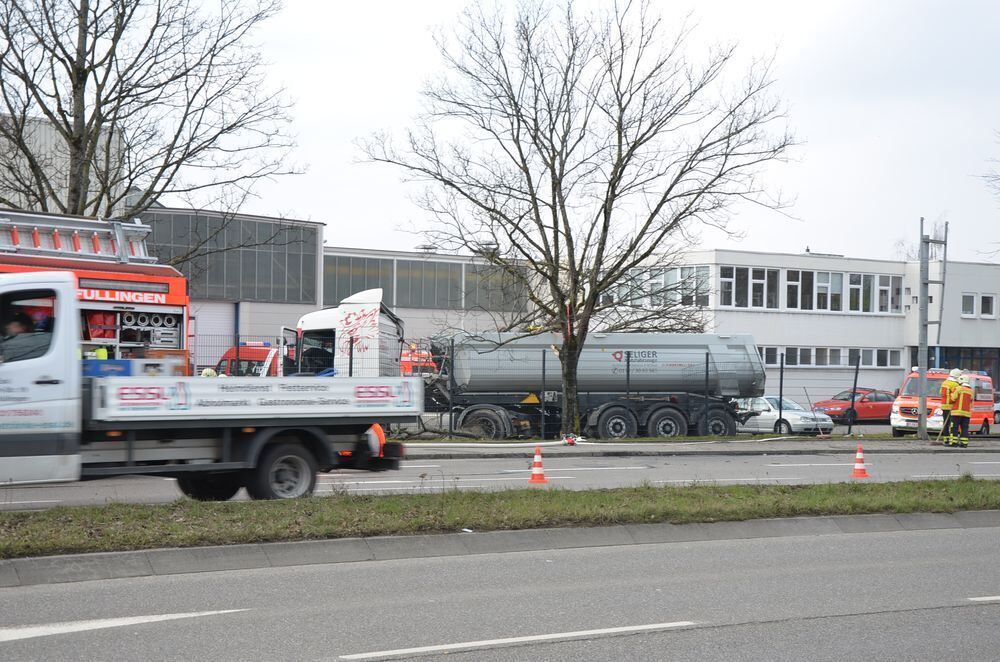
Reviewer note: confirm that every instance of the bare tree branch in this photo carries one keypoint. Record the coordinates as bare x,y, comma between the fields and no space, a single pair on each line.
143,99
572,154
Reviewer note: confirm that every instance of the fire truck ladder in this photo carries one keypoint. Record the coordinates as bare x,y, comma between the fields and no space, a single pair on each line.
52,235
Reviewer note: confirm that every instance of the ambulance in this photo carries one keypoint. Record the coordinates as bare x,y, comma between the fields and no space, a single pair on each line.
905,410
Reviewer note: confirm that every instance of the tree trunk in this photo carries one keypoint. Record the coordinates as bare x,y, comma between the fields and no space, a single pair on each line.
78,184
569,356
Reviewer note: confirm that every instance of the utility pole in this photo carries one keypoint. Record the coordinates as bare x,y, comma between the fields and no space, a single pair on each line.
925,283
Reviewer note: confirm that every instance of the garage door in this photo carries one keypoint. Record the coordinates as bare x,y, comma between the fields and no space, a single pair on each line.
213,326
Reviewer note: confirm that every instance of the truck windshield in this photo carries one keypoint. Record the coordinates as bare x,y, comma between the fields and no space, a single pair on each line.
912,387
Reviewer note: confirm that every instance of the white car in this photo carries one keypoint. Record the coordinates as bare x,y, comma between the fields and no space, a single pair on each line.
794,417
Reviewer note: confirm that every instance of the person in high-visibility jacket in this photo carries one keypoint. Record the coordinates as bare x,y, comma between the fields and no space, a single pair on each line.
961,412
949,393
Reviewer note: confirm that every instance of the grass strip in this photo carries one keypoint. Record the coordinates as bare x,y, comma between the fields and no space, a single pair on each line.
187,523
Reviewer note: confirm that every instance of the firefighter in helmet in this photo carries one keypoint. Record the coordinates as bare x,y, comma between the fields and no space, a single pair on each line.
961,412
949,393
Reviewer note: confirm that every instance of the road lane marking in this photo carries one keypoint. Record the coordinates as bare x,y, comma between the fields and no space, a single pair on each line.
845,464
550,470
987,598
725,480
493,643
12,503
982,462
436,480
32,631
420,466
954,475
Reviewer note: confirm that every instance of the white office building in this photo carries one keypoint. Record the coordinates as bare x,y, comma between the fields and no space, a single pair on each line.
825,313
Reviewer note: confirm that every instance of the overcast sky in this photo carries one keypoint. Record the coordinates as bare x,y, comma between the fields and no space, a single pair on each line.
897,104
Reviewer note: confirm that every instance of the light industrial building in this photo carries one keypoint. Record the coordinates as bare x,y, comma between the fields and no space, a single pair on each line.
823,313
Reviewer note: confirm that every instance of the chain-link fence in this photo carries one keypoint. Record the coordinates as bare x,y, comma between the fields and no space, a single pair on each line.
269,356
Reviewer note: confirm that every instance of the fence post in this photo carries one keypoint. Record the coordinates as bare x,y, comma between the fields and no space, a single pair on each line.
628,375
451,389
350,357
781,392
542,429
854,393
236,372
707,355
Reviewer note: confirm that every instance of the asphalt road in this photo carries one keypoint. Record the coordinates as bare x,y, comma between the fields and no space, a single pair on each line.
925,595
562,472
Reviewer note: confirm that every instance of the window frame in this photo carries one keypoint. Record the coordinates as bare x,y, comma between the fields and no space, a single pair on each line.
972,296
993,306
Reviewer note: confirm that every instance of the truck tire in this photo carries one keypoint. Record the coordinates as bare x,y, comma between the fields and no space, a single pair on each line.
616,423
486,423
215,487
720,424
285,471
666,423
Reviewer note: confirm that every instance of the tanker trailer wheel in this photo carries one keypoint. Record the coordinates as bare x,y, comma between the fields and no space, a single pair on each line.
215,487
485,423
616,423
720,424
666,423
285,471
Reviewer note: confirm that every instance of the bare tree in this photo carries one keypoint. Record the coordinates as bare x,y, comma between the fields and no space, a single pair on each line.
574,153
108,105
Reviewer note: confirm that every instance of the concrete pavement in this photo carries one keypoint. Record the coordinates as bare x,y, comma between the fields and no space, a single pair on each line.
894,595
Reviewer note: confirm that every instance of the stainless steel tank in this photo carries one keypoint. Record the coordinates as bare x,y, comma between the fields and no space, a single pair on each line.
655,362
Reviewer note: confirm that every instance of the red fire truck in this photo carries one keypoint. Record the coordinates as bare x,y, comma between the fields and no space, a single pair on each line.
132,307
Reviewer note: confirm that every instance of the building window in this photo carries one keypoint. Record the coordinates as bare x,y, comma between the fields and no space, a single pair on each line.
867,287
882,358
344,275
854,293
822,356
791,356
895,356
986,309
806,285
694,286
742,281
805,356
835,356
968,305
866,357
770,356
896,296
884,287
728,282
853,356
489,288
792,289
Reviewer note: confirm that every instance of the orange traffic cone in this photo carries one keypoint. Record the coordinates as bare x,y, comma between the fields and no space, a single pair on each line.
859,465
537,475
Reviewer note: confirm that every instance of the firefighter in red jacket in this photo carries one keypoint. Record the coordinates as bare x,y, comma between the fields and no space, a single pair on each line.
961,413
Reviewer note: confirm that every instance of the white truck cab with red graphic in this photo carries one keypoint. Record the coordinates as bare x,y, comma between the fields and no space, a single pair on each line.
360,337
215,436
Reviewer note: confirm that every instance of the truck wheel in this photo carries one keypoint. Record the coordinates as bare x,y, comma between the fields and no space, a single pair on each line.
616,423
486,423
666,423
216,487
285,471
720,424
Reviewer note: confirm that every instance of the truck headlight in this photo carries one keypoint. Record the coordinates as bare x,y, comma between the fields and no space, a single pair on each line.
895,409
937,412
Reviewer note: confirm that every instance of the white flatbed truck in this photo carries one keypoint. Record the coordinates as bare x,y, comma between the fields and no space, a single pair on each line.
214,435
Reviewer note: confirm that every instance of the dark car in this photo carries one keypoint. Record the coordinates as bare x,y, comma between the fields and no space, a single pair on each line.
869,405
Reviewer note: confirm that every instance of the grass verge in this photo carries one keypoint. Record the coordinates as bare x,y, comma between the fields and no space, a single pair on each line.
186,523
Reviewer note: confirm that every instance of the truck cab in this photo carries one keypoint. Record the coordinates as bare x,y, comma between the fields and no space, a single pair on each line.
40,378
905,409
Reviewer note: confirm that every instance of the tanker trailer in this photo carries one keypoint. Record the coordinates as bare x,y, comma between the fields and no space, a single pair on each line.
629,384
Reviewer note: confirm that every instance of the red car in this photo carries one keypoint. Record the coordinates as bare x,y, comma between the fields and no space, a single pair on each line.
869,405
